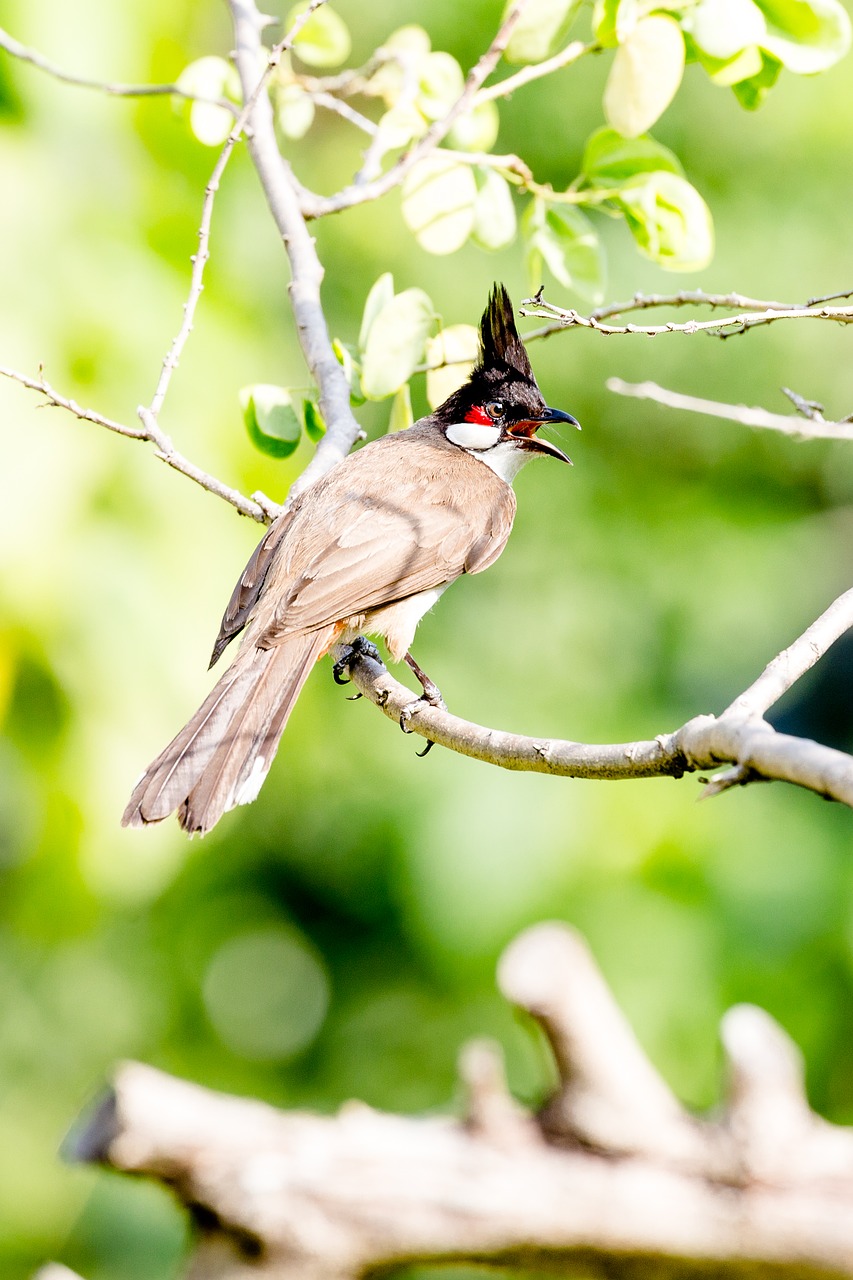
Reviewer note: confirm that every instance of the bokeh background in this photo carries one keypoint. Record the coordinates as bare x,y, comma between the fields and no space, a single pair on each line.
339,937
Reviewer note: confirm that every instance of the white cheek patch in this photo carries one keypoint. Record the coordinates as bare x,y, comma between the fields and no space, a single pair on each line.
473,435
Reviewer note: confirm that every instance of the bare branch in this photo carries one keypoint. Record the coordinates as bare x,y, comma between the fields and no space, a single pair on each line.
150,431
765,1188
750,315
315,206
115,89
283,196
536,71
788,424
792,663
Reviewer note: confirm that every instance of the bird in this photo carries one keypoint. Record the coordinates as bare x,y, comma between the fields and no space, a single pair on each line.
367,550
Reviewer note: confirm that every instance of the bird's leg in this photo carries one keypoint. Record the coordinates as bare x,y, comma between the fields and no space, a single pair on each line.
431,696
360,647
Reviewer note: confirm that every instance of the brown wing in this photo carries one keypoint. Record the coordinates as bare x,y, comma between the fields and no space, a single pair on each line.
245,595
384,528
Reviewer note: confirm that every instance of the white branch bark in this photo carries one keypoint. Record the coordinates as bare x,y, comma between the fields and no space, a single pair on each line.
614,1176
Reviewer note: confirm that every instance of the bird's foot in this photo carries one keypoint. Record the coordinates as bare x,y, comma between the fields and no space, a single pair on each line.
360,647
431,697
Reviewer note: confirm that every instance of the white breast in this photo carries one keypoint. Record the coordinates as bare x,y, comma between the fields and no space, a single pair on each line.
505,459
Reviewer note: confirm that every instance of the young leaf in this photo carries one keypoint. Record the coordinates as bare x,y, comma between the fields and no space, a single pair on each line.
751,92
564,240
439,195
270,419
645,75
494,211
324,41
440,84
344,356
614,20
315,427
381,293
209,78
395,343
294,111
535,35
730,71
477,130
669,220
806,36
454,350
401,410
722,28
609,159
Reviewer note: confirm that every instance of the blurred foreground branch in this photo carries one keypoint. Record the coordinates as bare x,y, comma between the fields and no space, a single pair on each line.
612,1174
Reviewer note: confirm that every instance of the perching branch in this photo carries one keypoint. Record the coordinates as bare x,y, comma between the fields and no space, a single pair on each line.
612,1175
802,428
740,736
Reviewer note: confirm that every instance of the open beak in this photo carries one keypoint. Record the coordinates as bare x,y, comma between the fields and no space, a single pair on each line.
524,433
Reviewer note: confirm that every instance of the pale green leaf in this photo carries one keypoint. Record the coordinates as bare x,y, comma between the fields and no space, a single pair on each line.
209,78
381,293
402,54
439,195
454,351
401,125
324,41
395,343
538,29
271,419
723,28
477,130
645,75
614,20
401,410
730,71
210,123
494,211
564,240
345,357
440,83
669,220
609,159
315,427
294,111
751,92
806,36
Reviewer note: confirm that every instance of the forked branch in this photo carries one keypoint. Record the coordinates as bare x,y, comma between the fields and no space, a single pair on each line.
612,1174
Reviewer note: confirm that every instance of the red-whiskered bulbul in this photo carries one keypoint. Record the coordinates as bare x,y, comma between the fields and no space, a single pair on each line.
368,549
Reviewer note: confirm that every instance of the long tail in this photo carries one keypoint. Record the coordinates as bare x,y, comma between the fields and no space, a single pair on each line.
222,755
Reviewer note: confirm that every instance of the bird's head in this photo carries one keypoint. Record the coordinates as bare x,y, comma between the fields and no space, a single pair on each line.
496,414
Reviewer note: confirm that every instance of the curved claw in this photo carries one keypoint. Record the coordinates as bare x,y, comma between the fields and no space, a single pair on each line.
429,746
338,670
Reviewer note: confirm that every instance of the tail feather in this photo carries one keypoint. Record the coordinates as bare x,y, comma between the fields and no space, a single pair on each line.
222,755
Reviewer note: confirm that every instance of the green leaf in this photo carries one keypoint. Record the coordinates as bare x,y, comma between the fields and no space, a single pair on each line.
454,350
609,159
381,293
315,427
723,28
345,357
294,111
806,36
477,130
270,419
669,220
401,410
324,41
564,240
402,53
440,83
536,33
395,343
210,78
751,93
494,211
645,75
439,195
730,71
401,125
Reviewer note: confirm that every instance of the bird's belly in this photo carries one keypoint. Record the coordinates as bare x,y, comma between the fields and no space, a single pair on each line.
394,623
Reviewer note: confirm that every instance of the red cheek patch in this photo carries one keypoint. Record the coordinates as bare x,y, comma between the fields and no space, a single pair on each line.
479,415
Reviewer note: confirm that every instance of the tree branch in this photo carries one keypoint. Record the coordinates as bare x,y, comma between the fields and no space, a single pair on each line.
316,206
613,1175
740,736
536,71
788,424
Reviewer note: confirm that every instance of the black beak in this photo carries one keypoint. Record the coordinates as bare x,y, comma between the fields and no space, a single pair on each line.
523,432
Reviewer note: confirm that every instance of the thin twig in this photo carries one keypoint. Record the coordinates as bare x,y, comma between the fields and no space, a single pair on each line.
114,88
315,206
535,71
686,298
329,102
788,424
568,318
150,432
251,94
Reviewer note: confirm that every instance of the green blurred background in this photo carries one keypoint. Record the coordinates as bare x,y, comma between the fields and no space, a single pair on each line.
339,937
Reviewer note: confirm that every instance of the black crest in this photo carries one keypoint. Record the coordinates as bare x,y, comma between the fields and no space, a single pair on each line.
500,344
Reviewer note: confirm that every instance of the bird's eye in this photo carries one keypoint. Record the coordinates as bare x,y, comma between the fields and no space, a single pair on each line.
495,409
